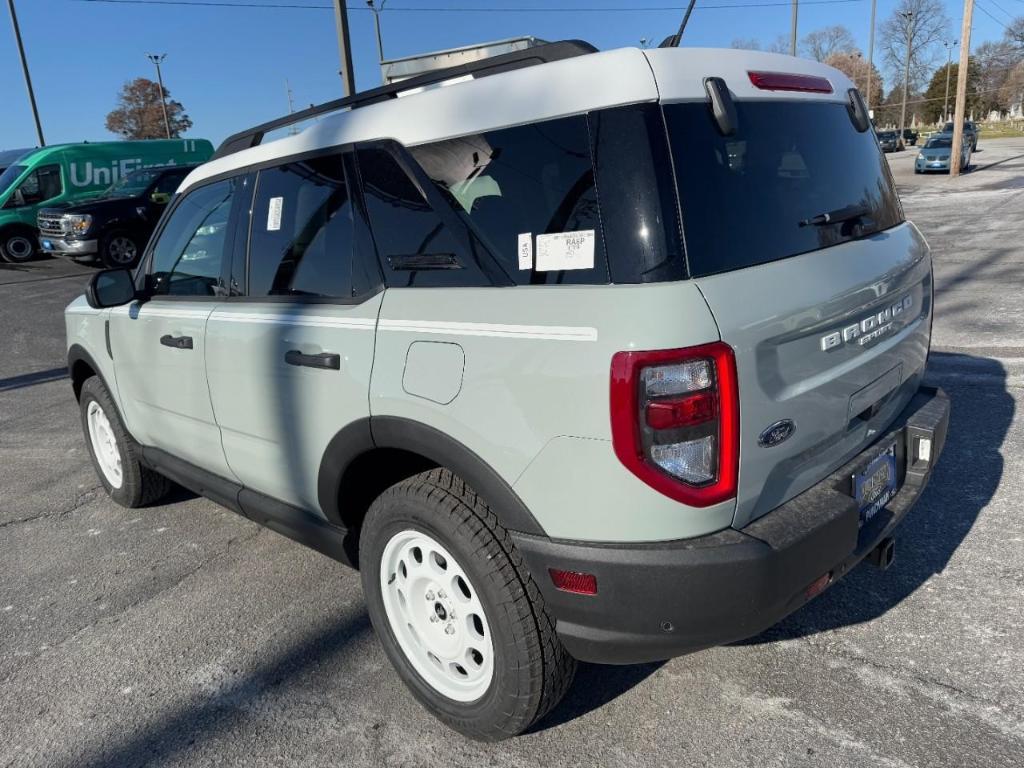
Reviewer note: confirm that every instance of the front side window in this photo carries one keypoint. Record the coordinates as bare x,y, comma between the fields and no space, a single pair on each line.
190,252
528,194
760,194
168,183
42,184
302,232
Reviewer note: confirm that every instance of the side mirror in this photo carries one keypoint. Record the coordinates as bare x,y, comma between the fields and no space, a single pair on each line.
160,198
110,288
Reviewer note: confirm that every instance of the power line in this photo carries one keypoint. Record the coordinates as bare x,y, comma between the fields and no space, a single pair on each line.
450,9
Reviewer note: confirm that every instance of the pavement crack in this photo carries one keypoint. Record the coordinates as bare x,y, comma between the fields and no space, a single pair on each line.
81,499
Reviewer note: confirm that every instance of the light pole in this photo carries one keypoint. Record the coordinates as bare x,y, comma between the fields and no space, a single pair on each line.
24,68
871,56
950,45
348,80
792,31
909,16
376,23
156,58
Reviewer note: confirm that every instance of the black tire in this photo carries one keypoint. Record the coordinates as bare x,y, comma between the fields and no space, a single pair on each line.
119,250
532,669
140,485
18,244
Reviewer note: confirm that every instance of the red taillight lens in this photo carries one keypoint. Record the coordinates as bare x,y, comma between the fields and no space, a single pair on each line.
787,81
574,581
688,411
675,420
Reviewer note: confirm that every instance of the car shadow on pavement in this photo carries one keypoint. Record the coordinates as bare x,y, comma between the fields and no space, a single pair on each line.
965,479
211,716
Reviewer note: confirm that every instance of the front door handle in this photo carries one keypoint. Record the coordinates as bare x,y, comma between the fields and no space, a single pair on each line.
177,342
329,360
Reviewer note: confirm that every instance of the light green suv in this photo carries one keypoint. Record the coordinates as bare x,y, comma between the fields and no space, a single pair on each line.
575,355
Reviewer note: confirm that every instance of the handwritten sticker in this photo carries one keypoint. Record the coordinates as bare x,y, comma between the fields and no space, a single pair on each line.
565,250
526,250
274,214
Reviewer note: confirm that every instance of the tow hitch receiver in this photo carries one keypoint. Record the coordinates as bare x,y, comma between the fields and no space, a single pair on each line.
883,555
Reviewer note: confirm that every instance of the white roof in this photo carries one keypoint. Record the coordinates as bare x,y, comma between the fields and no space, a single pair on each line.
540,92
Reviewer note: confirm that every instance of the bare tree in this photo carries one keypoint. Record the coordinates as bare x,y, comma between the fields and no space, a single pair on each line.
926,25
779,45
746,43
855,67
824,42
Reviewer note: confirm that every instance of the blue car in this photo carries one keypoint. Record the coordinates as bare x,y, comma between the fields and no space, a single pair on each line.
934,155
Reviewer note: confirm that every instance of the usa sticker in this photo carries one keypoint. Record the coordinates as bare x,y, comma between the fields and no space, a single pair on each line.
274,214
526,250
565,250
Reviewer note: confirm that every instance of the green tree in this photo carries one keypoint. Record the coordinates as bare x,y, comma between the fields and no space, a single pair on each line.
934,99
138,114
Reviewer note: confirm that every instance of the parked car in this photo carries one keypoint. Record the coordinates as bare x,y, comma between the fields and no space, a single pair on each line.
890,141
454,339
970,133
935,154
116,225
910,136
71,173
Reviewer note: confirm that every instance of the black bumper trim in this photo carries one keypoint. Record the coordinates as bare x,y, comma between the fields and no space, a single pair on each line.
660,600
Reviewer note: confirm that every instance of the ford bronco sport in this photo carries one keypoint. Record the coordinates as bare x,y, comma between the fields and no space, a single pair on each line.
575,355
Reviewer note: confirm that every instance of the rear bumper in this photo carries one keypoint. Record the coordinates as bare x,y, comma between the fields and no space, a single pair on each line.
664,599
63,247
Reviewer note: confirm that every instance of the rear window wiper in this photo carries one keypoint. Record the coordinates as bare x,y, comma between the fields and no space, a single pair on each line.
837,216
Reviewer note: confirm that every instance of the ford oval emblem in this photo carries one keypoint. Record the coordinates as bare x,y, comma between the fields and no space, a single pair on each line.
779,432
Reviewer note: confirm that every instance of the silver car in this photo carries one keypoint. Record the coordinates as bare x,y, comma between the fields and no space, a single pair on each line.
935,154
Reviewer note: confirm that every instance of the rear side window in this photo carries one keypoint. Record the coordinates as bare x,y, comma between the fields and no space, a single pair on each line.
752,197
528,194
301,238
421,242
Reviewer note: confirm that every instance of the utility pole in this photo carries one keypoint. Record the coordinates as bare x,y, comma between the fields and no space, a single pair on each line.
792,31
909,16
156,58
871,56
961,89
348,81
376,23
24,68
950,45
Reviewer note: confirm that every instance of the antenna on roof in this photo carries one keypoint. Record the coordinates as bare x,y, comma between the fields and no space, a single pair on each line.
672,41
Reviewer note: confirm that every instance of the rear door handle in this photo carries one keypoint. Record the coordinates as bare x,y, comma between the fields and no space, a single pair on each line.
330,360
177,342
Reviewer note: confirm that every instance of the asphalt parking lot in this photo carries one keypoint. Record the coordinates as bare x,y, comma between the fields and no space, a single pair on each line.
184,635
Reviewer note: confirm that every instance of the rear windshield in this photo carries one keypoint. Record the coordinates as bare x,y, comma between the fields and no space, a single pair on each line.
752,197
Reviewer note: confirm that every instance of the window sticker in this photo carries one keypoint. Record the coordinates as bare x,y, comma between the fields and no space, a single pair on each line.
274,214
565,250
526,250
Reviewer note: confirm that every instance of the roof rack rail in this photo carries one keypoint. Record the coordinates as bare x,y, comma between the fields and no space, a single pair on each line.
541,54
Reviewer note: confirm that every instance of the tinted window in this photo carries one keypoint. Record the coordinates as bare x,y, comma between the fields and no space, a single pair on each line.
301,238
751,197
188,256
42,184
418,244
9,175
531,181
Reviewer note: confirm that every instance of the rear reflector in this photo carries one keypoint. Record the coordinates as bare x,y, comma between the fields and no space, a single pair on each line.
574,581
818,585
787,81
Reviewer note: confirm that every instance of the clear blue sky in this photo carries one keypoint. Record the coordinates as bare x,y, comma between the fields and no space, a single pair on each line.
228,65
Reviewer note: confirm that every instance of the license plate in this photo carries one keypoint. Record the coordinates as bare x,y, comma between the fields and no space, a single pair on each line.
875,485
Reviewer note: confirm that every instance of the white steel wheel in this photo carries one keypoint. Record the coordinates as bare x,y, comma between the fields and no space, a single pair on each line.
104,444
436,616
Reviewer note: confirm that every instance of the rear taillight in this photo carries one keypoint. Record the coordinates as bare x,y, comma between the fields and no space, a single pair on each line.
788,81
675,420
